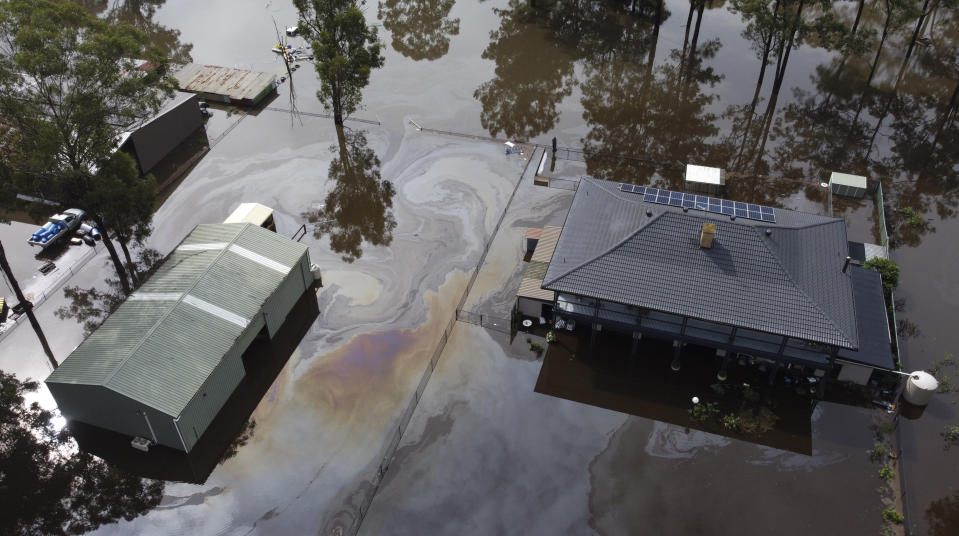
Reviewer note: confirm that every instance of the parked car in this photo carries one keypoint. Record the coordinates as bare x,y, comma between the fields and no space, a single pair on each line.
58,227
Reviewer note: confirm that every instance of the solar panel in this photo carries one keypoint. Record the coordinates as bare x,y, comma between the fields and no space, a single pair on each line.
715,205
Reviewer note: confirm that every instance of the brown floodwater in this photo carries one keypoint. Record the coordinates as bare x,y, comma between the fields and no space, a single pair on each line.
637,89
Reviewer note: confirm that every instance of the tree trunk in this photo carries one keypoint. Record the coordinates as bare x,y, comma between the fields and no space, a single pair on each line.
895,87
691,60
778,82
752,106
27,307
950,111
121,272
134,277
682,58
882,43
855,23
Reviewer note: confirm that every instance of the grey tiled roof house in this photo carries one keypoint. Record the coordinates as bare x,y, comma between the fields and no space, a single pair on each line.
775,283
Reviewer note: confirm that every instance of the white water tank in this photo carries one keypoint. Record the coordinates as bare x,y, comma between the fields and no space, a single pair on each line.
920,388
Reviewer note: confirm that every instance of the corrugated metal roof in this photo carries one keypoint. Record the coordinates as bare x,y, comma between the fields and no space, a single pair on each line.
238,84
536,270
616,247
162,343
546,244
530,288
875,344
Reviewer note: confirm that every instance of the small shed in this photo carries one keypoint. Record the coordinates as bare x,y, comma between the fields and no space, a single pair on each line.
154,139
225,84
705,179
847,185
166,361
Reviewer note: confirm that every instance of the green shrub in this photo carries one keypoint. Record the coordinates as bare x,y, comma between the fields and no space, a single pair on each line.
731,422
893,516
912,217
951,434
888,270
702,411
886,473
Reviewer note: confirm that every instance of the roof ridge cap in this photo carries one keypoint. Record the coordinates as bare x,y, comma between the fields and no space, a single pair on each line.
163,317
799,287
607,251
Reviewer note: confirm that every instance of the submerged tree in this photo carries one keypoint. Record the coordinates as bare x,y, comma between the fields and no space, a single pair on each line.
69,84
421,28
345,51
46,486
359,207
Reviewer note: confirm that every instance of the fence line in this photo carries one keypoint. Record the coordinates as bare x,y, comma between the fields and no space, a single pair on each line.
320,114
393,442
55,286
496,323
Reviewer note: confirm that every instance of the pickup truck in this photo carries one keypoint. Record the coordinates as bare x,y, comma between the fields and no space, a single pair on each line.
58,226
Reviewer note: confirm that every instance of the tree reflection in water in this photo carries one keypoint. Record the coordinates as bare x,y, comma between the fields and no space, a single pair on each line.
420,29
534,73
359,207
139,14
943,516
46,486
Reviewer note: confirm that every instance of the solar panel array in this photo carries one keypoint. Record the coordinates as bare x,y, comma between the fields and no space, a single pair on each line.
702,202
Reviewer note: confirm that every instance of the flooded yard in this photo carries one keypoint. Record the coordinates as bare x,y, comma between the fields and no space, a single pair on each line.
630,91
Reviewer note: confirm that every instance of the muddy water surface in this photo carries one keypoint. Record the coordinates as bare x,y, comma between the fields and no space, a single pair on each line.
635,90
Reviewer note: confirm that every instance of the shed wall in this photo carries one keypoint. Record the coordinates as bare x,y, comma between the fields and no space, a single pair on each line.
216,390
108,409
287,294
156,139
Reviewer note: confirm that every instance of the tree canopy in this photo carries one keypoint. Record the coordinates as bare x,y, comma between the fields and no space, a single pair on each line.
48,488
345,51
70,83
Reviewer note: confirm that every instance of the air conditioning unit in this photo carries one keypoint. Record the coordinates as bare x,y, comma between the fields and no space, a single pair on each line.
141,443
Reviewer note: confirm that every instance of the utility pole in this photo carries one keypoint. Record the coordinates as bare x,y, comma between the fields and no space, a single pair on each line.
27,306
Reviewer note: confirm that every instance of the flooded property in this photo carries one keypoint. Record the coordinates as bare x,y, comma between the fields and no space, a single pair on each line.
410,400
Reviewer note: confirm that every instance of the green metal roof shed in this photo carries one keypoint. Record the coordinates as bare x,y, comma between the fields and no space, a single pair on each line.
164,363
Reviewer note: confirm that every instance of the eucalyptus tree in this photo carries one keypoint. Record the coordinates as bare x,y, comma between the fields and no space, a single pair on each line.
345,51
70,83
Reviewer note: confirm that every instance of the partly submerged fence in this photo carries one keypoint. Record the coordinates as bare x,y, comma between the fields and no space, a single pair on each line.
493,322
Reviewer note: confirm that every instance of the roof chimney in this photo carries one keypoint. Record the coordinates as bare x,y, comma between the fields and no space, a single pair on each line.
707,234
